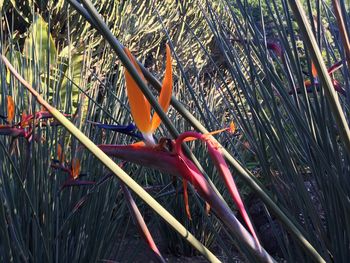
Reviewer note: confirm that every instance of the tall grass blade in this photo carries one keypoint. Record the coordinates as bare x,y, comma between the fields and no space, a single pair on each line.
342,29
110,164
140,223
242,172
325,79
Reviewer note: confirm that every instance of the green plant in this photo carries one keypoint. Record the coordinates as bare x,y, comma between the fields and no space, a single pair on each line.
235,60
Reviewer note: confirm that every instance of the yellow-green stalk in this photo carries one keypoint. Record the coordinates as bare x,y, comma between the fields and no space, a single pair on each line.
110,164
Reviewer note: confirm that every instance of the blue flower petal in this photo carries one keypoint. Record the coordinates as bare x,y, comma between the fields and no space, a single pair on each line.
125,129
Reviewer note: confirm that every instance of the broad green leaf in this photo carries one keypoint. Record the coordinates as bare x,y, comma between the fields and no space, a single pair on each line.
40,44
71,65
39,50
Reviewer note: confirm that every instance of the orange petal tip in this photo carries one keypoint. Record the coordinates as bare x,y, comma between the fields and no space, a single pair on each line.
187,205
313,70
75,168
10,109
166,91
60,154
232,128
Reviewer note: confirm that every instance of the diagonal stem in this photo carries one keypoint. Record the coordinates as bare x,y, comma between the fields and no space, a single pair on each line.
259,189
95,20
283,216
111,165
325,79
342,29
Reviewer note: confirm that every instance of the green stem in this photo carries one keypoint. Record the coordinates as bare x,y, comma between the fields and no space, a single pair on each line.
110,164
118,48
95,21
243,173
323,75
342,29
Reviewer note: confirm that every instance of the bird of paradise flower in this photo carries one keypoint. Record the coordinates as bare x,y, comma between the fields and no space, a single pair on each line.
309,85
24,128
172,159
72,168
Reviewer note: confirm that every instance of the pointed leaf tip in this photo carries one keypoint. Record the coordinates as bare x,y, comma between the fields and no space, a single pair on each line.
166,91
140,223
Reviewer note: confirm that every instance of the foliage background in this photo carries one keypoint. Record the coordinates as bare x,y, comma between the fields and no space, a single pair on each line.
223,71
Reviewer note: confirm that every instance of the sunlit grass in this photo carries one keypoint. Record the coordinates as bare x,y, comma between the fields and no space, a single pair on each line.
232,61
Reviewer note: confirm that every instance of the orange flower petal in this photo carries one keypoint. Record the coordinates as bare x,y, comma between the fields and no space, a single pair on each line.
187,206
165,93
313,70
139,106
189,139
24,120
217,131
307,83
60,154
75,168
10,109
230,129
